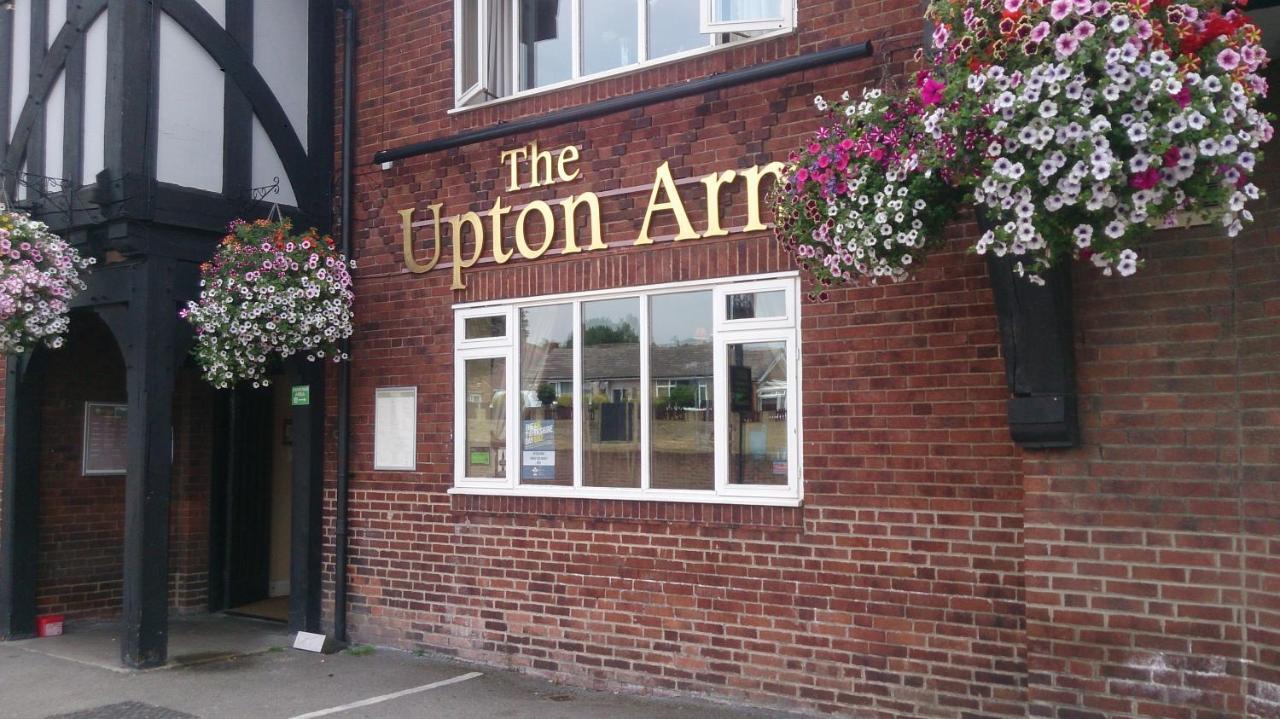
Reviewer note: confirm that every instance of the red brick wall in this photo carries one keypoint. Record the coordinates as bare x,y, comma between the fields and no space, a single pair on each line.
80,560
1152,559
1146,579
896,588
81,557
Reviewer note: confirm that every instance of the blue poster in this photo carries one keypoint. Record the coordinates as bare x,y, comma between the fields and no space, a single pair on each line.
538,458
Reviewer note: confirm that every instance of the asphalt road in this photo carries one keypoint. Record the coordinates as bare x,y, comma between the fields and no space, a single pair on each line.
289,684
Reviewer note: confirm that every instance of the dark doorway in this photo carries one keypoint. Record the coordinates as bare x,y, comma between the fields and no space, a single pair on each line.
249,544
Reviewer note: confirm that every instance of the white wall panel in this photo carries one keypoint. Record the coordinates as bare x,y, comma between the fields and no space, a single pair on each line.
190,123
95,99
57,18
56,104
54,117
280,53
267,166
21,78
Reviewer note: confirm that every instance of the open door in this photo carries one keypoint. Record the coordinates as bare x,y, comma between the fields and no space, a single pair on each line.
250,507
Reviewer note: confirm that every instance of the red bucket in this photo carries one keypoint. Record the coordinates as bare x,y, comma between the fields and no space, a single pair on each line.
50,625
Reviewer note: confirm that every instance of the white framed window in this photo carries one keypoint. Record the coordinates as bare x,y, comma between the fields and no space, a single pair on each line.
745,15
677,392
508,48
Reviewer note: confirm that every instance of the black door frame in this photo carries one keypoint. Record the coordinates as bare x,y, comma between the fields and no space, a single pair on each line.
306,498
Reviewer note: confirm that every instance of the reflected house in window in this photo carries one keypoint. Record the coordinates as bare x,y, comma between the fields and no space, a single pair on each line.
635,392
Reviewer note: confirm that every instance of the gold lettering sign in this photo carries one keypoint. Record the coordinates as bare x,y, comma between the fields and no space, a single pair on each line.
539,168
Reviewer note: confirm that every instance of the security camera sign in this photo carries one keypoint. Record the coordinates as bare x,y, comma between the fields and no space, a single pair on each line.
538,459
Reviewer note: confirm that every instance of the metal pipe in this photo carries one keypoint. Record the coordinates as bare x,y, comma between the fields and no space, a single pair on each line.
344,368
622,103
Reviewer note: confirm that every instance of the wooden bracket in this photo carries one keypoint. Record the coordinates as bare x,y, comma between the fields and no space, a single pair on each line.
1037,338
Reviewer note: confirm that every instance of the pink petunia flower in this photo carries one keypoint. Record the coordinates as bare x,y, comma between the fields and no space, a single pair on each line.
1229,59
940,35
931,91
1066,45
1039,32
1084,30
1060,9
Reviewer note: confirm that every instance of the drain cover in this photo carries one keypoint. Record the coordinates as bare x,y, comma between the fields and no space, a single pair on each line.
126,710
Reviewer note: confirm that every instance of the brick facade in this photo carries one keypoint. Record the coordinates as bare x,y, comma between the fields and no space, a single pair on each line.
1143,581
935,569
80,561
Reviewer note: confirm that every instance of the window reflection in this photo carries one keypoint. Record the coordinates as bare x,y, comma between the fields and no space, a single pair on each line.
478,328
546,395
608,35
757,413
681,431
673,27
545,40
486,383
611,382
755,305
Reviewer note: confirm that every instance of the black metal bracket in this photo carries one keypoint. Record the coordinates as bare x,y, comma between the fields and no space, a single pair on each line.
258,195
1037,335
56,191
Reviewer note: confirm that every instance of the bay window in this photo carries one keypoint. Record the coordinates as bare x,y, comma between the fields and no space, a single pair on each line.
673,392
507,47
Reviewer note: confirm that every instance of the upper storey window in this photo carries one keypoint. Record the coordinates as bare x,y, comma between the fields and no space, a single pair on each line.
508,47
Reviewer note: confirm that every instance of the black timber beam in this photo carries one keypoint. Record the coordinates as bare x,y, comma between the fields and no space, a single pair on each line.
320,98
238,66
1037,338
307,495
132,28
237,139
30,116
73,120
149,352
38,49
6,84
19,495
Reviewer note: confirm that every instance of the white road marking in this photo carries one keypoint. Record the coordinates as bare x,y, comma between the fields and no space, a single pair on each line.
388,697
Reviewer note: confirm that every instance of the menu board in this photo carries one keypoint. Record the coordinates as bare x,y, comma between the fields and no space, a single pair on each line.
106,428
395,420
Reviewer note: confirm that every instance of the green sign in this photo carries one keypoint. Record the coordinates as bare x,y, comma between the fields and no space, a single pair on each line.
301,395
480,457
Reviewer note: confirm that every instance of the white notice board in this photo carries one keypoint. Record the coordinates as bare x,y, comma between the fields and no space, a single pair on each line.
395,427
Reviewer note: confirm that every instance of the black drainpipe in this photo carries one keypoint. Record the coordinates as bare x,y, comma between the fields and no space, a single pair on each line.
344,368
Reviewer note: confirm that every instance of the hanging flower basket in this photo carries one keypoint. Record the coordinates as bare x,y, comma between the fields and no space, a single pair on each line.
39,275
866,199
1077,127
1112,119
269,293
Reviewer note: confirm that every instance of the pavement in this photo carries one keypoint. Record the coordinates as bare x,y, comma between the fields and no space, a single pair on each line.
235,668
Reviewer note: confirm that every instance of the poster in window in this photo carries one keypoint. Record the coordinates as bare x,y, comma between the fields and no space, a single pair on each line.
395,423
106,427
538,460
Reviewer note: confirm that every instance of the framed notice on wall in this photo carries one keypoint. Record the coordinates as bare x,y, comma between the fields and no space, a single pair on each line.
106,428
395,427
